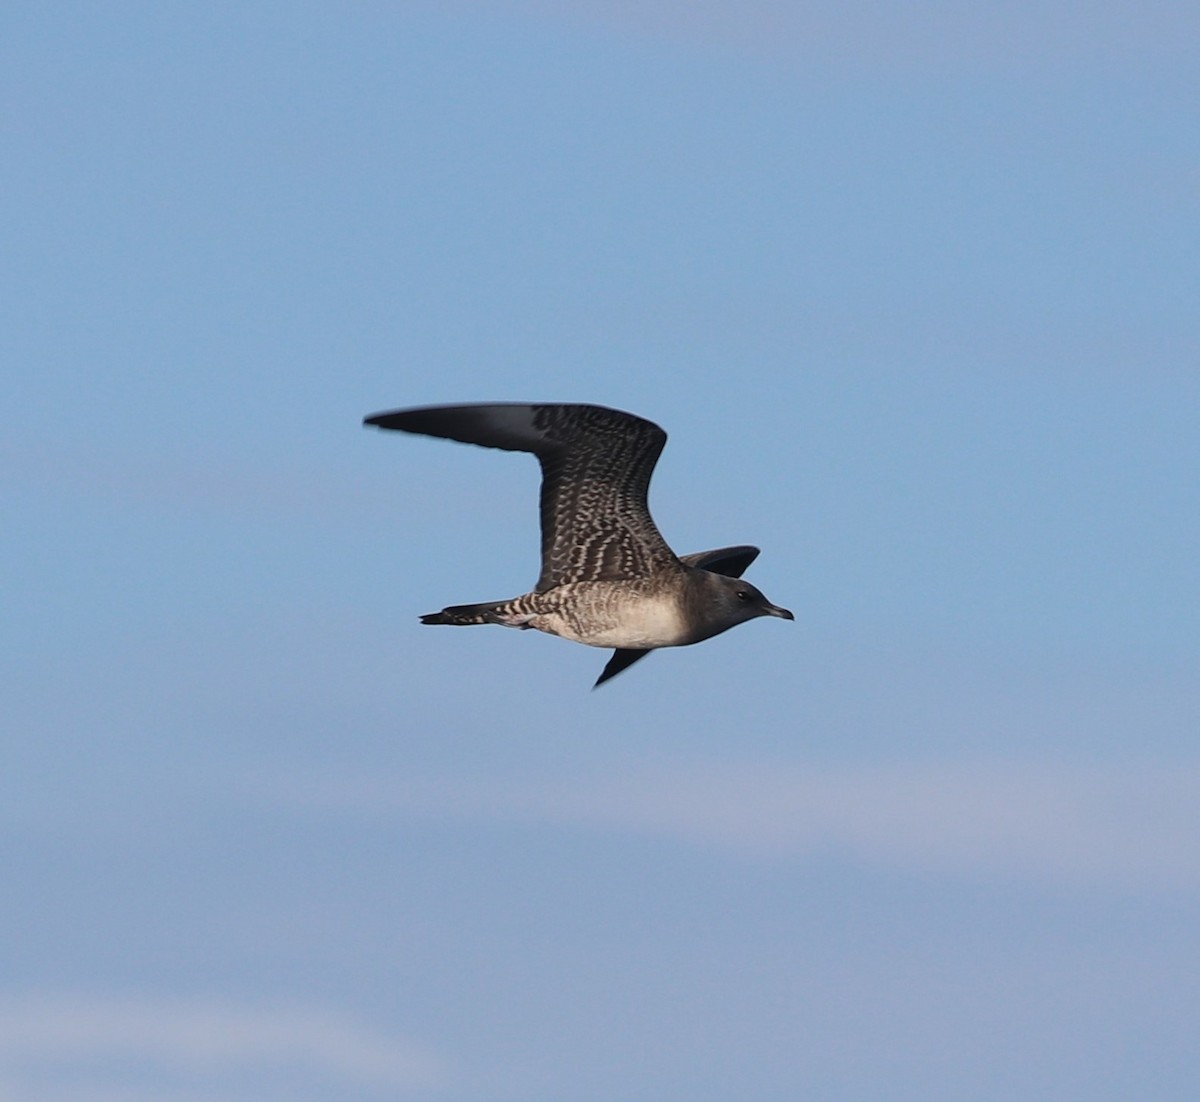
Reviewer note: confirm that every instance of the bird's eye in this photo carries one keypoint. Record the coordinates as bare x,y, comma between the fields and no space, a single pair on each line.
743,594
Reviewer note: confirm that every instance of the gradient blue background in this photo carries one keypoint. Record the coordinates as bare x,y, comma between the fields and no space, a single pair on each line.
914,289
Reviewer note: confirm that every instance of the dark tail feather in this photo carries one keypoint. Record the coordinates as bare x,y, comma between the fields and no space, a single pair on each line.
465,615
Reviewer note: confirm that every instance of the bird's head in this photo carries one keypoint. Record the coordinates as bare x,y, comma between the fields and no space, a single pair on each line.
735,601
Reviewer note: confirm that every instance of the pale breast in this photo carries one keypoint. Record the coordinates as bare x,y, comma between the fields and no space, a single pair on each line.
613,616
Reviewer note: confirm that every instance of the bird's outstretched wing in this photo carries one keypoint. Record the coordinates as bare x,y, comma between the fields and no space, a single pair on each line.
596,467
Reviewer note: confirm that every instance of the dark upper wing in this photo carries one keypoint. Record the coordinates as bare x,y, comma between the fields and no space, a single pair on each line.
596,467
733,562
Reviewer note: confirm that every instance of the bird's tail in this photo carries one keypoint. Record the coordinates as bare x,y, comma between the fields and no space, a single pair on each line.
490,612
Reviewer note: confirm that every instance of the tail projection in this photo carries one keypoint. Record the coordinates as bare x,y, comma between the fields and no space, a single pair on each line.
491,612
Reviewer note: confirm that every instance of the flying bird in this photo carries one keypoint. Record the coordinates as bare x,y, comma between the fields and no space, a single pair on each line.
608,577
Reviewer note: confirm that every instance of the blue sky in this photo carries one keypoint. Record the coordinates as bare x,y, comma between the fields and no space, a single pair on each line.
914,292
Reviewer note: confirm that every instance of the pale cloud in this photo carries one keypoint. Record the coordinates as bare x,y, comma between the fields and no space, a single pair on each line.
1131,826
68,1033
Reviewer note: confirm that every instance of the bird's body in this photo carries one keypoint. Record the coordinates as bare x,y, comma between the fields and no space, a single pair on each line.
608,578
636,613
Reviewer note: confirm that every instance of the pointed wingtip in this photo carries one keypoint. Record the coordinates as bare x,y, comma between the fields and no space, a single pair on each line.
620,660
605,675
